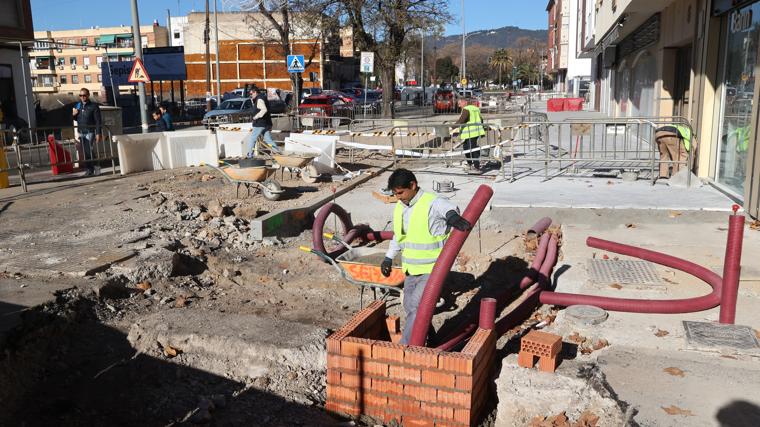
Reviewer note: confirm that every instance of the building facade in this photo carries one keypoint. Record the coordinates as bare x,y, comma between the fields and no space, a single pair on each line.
65,61
16,35
177,26
250,52
570,71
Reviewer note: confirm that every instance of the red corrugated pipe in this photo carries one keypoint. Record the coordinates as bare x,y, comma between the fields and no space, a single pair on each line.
350,232
487,313
732,268
540,226
444,264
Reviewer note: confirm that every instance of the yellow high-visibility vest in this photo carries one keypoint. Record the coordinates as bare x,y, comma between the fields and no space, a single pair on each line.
419,248
477,124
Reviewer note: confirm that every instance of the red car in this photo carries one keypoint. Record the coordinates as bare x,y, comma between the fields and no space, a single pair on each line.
316,110
446,101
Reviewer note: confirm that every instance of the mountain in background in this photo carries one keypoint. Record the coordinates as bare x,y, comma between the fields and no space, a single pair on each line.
504,37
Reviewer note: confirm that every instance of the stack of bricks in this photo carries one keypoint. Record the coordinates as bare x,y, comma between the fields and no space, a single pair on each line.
539,344
368,374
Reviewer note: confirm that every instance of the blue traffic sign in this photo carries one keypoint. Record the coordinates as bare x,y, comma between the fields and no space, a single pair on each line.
295,64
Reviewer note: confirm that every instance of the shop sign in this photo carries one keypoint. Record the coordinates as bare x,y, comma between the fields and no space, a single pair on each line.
740,21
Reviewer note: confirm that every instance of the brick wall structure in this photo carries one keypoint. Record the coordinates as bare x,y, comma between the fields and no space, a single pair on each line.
369,374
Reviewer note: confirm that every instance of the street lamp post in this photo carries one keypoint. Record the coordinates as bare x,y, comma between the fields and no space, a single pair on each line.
464,51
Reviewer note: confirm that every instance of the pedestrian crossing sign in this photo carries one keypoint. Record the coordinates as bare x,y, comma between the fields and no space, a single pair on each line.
138,74
295,64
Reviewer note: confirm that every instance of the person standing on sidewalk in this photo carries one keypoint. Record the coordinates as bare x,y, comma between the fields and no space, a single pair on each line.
87,115
422,223
470,134
262,121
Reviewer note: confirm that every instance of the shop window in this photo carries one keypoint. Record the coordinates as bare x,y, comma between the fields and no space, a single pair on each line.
75,79
644,74
738,89
64,80
87,78
622,89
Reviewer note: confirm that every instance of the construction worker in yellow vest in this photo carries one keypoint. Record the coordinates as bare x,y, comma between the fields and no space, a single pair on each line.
470,134
422,222
674,143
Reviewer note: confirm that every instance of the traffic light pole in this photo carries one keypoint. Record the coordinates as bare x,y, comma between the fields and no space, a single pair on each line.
138,55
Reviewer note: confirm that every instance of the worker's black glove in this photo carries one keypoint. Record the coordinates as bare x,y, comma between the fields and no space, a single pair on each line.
453,219
385,267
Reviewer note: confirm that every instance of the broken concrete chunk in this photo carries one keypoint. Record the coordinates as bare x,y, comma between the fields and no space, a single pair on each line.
217,209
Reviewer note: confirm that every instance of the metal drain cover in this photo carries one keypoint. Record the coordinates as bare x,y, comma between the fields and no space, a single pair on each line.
586,314
704,334
623,272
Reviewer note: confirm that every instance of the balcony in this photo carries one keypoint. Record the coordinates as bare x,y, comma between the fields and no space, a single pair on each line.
625,17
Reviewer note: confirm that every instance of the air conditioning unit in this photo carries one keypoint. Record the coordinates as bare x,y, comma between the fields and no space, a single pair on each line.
86,66
56,84
84,47
59,50
73,67
60,67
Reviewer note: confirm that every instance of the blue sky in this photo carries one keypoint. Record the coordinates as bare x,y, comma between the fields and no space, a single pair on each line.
70,14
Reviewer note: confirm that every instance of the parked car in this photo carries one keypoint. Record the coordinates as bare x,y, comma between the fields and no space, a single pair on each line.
446,101
309,91
228,110
195,108
321,110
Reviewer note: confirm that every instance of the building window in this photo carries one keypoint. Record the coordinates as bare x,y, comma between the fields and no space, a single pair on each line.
738,88
99,60
61,61
87,78
86,60
72,42
176,35
75,79
73,60
100,78
64,80
95,94
84,42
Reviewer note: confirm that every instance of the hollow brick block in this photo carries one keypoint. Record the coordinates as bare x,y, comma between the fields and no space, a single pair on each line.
540,344
437,378
387,386
388,351
351,346
456,362
405,373
374,400
343,408
422,393
394,324
437,411
356,381
421,356
418,421
336,361
463,416
333,341
456,398
371,367
339,393
396,338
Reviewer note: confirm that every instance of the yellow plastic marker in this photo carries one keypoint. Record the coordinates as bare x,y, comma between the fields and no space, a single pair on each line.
328,235
305,248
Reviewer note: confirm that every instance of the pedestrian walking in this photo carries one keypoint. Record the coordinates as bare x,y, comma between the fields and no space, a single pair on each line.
470,134
262,121
422,223
89,122
166,117
160,125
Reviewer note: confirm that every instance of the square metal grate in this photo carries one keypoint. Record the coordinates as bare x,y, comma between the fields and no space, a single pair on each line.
623,272
703,334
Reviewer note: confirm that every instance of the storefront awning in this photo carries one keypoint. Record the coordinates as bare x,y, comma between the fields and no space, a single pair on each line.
108,39
124,36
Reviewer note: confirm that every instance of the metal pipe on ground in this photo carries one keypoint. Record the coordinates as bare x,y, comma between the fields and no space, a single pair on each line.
732,268
443,266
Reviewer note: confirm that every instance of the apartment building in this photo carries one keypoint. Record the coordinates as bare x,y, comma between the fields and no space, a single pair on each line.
16,34
67,60
570,71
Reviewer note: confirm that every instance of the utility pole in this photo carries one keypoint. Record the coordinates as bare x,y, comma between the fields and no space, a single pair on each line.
422,65
216,48
464,51
206,39
138,55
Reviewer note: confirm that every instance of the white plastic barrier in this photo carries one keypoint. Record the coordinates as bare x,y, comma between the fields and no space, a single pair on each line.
233,139
324,145
140,152
165,150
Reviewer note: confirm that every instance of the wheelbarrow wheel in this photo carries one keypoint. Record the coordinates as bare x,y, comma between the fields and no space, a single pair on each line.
309,174
271,190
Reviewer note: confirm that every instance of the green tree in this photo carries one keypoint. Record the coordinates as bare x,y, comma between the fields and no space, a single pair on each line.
501,60
445,69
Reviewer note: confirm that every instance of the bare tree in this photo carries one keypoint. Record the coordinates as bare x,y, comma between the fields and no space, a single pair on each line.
382,27
283,21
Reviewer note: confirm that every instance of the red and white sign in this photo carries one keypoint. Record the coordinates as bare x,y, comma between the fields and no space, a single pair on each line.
138,73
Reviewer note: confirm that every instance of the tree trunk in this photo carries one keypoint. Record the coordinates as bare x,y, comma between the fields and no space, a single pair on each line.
389,77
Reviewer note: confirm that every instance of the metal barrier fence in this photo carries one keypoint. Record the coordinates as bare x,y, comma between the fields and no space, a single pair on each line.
28,158
583,146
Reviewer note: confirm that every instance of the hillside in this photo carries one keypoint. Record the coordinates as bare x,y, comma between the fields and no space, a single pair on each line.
504,37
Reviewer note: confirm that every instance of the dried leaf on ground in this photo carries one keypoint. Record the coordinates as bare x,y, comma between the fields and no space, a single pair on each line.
631,225
605,256
757,334
674,214
180,302
600,344
754,225
171,352
675,410
616,286
674,371
586,350
661,333
587,419
559,420
576,338
143,286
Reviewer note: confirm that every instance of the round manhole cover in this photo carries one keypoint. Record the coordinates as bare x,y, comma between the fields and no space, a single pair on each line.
586,314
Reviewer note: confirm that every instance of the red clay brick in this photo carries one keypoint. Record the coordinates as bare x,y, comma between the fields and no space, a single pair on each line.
374,400
525,359
541,344
387,386
393,324
418,421
343,408
371,367
547,364
449,424
333,341
353,380
342,362
463,416
463,382
396,338
421,356
389,417
337,393
417,392
476,342
410,407
438,379
333,377
398,404
388,351
456,398
405,373
437,411
456,362
356,347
